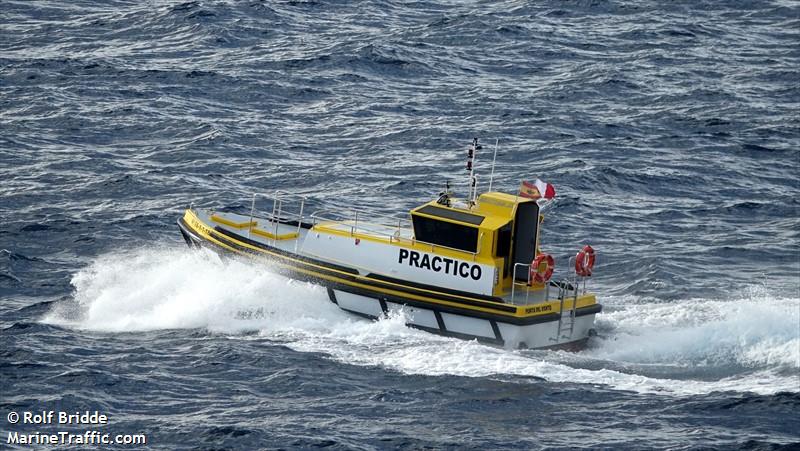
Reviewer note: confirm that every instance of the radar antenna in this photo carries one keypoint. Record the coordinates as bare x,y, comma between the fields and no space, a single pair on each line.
444,196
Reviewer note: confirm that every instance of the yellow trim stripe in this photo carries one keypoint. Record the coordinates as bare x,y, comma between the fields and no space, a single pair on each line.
234,224
264,233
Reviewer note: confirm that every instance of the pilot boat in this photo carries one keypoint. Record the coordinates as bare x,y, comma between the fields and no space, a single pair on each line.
468,268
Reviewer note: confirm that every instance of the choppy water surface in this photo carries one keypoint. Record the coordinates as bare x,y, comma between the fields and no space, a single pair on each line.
670,131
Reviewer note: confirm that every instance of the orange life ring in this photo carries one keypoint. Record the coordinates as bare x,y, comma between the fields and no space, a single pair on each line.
542,268
584,261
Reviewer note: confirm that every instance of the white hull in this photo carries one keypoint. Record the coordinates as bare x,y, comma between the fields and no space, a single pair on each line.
545,334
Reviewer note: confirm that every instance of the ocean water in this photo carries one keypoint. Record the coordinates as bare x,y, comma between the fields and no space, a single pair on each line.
671,131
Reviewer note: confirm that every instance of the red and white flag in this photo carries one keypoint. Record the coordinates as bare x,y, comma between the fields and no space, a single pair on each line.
537,190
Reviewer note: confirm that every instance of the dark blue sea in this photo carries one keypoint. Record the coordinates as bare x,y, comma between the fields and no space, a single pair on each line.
670,130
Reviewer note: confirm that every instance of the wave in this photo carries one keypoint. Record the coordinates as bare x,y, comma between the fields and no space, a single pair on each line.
750,330
150,289
747,344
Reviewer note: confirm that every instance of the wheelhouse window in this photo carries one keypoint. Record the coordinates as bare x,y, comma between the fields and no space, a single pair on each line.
504,241
445,233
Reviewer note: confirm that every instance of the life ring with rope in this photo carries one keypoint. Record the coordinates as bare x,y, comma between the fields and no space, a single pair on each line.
542,268
584,261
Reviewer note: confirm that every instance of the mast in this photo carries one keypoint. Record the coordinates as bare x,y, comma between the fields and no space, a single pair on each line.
472,153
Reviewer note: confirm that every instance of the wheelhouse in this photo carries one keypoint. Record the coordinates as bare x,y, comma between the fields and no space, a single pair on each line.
499,229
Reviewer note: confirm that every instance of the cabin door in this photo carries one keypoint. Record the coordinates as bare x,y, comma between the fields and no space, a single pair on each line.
526,233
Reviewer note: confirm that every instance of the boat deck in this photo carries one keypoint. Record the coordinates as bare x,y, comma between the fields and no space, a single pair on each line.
524,295
272,233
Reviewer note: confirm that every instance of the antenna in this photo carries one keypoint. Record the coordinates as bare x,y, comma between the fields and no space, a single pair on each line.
494,158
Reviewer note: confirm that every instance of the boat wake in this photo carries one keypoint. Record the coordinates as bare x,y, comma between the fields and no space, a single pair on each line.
750,343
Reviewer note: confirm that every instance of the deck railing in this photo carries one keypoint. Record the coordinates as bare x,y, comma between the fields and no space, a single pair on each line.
386,226
354,220
391,227
576,282
568,287
279,214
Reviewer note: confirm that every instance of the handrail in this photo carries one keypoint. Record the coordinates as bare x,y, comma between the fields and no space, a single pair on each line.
277,210
396,236
316,215
515,283
279,196
353,211
274,198
353,217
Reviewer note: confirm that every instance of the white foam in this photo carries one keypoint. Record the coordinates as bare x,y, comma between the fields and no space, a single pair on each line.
752,329
151,289
387,343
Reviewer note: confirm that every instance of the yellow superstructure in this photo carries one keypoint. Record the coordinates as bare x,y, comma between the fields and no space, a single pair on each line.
497,230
